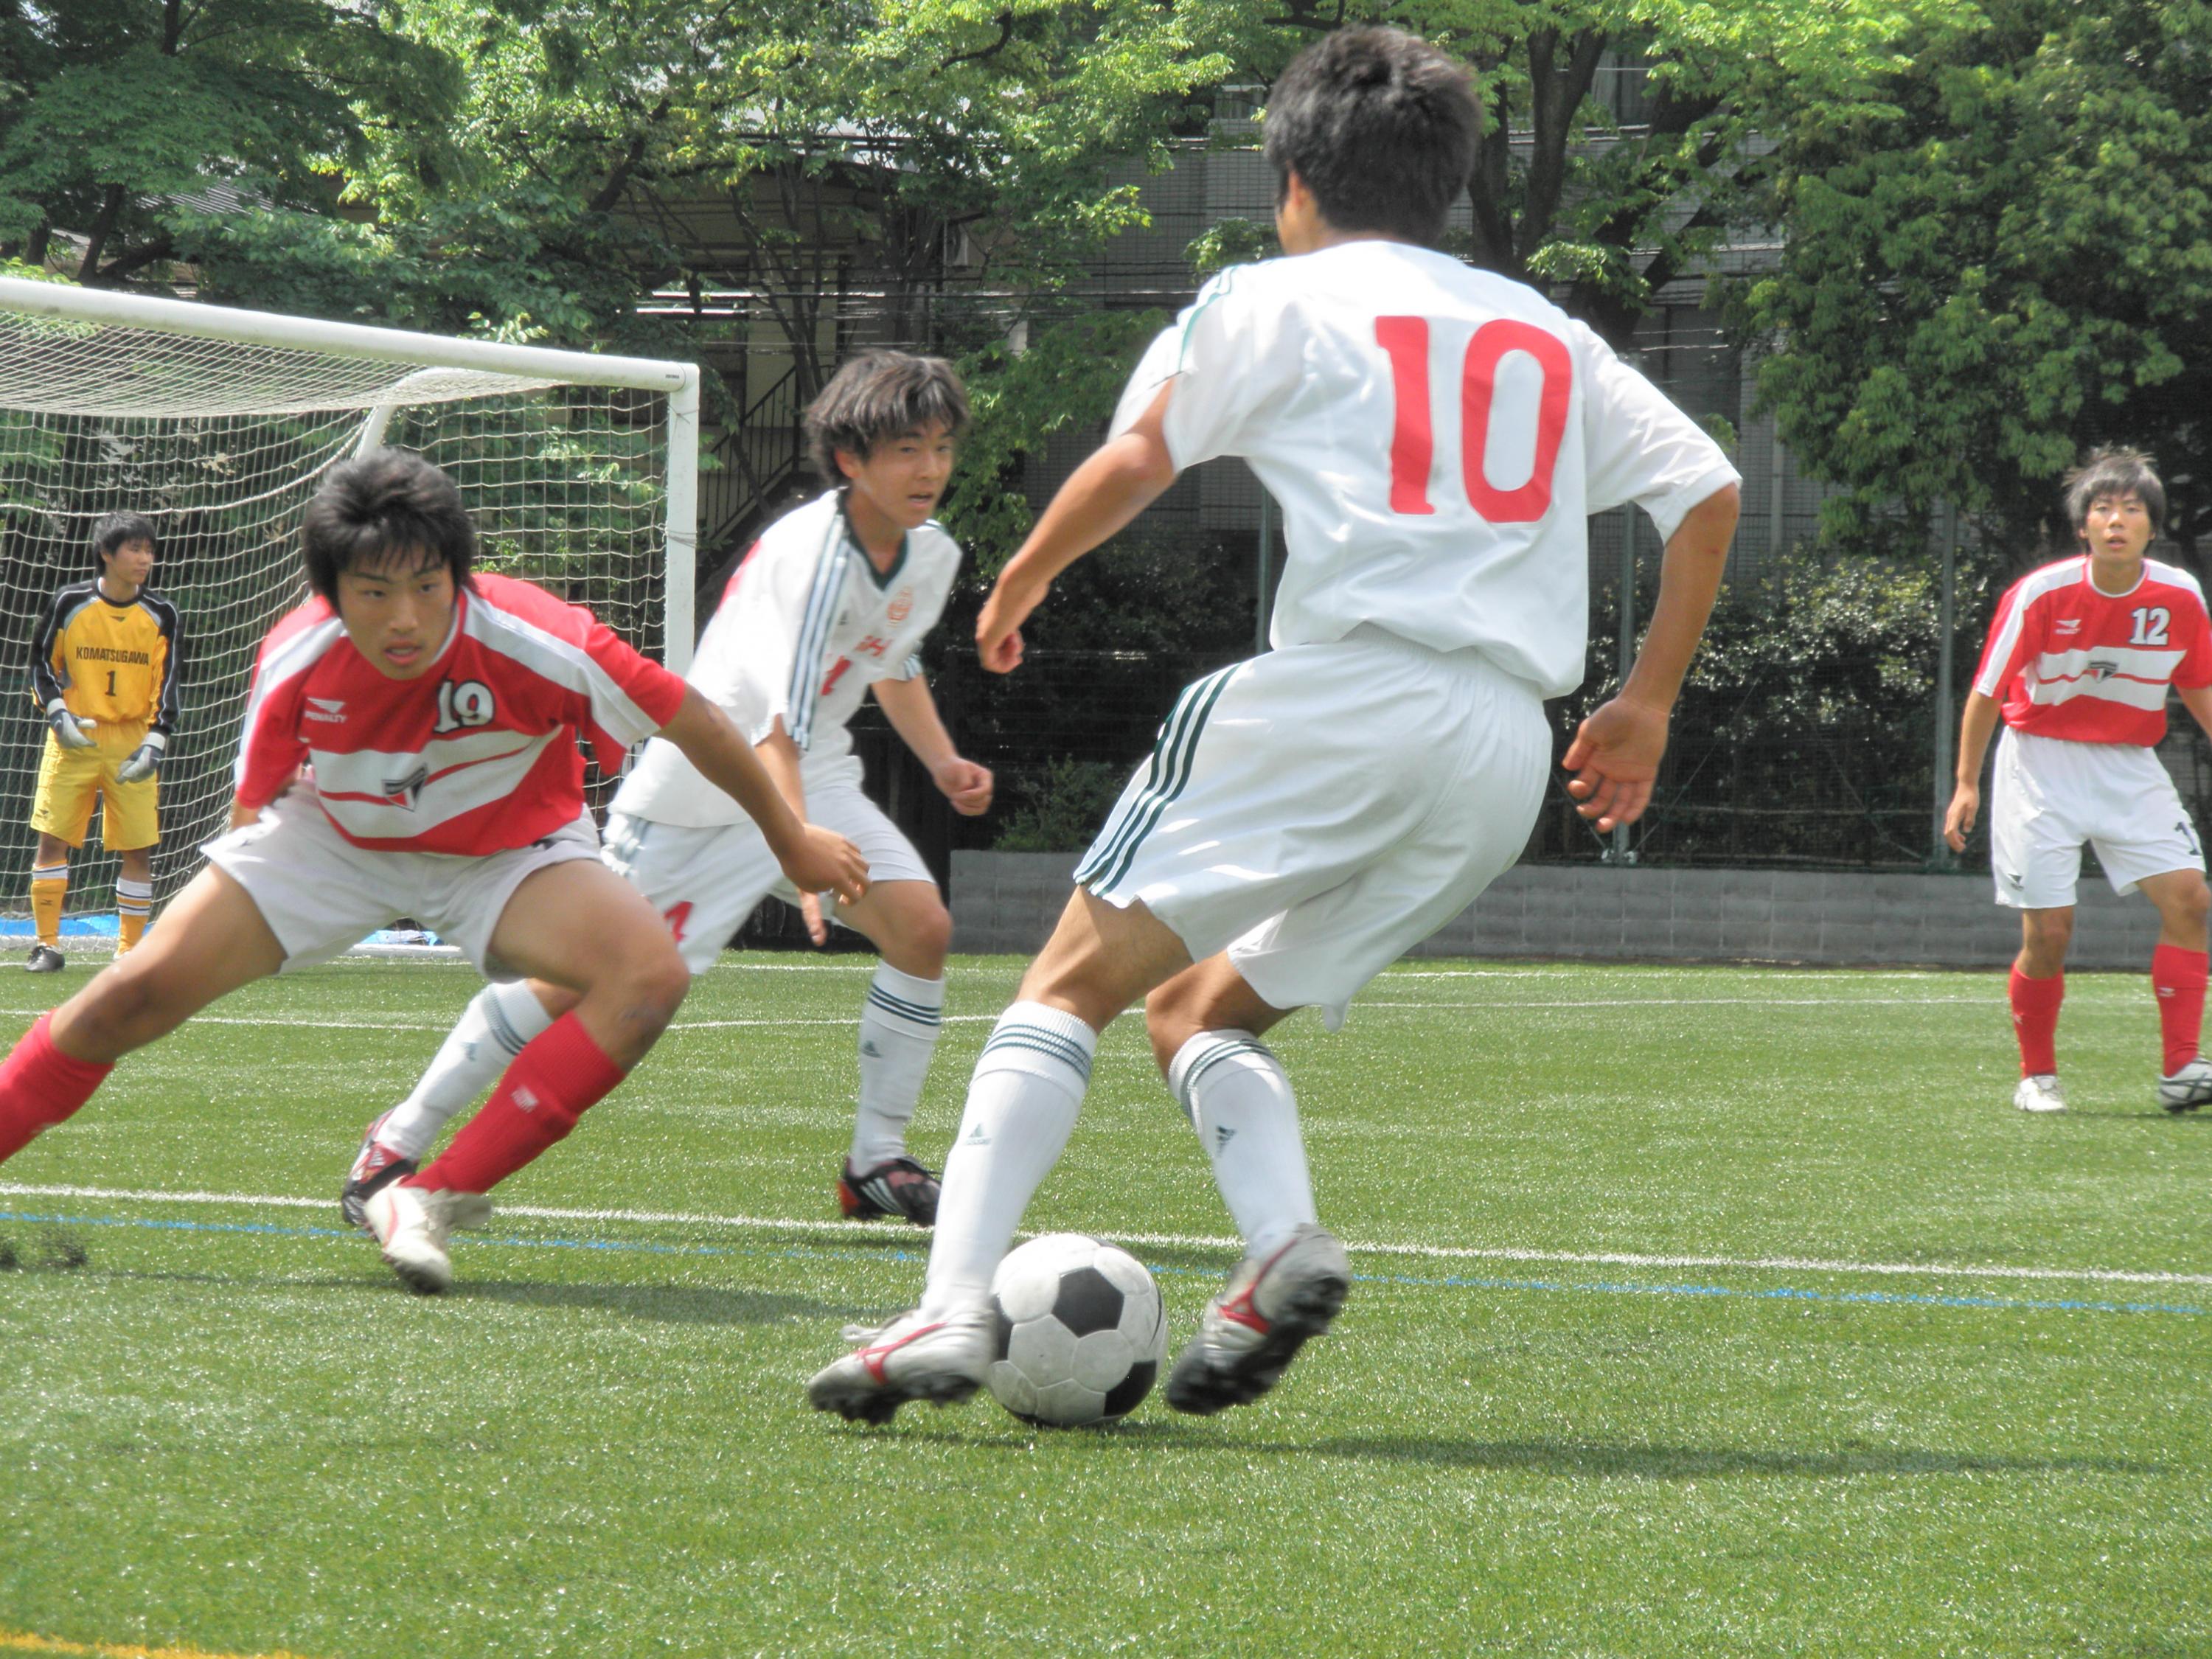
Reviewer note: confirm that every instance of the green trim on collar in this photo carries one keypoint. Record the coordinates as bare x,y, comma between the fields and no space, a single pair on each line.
884,578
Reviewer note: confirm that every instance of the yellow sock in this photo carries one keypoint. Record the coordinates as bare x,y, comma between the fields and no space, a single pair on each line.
134,903
48,883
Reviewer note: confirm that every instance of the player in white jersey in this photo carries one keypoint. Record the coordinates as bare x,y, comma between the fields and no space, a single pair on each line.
1436,435
834,601
2079,662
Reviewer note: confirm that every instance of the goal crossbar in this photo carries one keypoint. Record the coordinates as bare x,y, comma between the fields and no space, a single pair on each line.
546,365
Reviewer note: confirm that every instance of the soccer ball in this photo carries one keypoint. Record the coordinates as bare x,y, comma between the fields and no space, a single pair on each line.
1079,1333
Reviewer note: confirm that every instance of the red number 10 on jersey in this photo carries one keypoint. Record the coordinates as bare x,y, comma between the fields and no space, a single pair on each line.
1405,340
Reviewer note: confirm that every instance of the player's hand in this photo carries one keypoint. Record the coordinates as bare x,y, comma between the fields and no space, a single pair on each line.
144,762
70,731
1958,817
1615,760
966,785
998,627
823,861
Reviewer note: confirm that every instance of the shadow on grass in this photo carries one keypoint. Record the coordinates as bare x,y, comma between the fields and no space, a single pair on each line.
667,1304
1572,1458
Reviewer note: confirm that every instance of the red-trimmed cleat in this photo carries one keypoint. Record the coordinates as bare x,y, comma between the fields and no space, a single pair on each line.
897,1186
940,1360
1272,1306
375,1168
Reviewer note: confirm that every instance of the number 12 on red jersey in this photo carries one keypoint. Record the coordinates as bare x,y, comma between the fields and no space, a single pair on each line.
1405,341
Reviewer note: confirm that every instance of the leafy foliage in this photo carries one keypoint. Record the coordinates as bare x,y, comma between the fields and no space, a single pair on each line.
1805,731
2011,264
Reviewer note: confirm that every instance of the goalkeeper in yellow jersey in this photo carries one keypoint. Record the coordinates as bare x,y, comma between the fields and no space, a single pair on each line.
104,671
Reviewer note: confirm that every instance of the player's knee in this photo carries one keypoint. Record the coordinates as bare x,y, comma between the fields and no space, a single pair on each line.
1170,1022
657,984
122,1010
928,940
2046,934
2192,905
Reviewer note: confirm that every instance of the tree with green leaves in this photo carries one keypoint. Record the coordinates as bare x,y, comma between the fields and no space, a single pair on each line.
136,124
2011,264
1619,134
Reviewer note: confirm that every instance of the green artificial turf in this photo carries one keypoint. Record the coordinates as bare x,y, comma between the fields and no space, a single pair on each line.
225,1428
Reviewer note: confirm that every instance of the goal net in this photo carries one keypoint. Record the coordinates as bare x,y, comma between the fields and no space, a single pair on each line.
218,425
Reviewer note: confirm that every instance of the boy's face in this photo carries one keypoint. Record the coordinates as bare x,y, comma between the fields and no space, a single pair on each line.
904,477
398,615
132,563
2117,525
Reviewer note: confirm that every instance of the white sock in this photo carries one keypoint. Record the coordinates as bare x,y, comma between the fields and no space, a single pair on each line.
498,1021
899,1024
1239,1101
1022,1105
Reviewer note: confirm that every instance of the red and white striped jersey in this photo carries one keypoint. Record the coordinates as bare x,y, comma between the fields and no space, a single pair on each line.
2069,660
477,756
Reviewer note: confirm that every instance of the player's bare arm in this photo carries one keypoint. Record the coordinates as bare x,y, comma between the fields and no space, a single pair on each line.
1616,752
1976,727
778,755
912,711
1122,478
816,860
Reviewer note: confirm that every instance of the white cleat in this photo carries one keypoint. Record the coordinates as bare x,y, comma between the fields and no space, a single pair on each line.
940,1360
2188,1088
1273,1305
413,1225
2039,1093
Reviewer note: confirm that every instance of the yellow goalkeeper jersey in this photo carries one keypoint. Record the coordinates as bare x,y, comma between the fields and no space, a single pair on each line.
115,664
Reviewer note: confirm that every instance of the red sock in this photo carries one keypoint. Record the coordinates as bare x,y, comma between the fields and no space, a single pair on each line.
2177,976
41,1085
2035,1021
545,1089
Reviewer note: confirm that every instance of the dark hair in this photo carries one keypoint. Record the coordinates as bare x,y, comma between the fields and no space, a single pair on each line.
1381,126
877,396
387,509
112,532
2115,473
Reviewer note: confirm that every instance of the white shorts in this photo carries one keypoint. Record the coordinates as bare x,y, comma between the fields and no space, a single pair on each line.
321,894
2048,795
1320,810
706,881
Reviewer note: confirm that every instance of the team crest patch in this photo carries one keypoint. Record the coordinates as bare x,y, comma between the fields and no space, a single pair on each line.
407,791
2102,668
902,607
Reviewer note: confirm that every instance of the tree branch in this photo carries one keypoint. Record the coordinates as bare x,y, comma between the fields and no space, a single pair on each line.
111,208
161,247
1005,22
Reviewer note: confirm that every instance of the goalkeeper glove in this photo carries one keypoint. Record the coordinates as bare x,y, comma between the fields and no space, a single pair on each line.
144,761
70,731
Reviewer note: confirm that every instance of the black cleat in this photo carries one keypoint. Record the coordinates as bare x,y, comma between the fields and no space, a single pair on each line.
898,1187
45,959
375,1168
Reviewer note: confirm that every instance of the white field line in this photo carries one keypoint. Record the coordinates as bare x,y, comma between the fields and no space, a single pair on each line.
1832,1003
1192,1240
416,1025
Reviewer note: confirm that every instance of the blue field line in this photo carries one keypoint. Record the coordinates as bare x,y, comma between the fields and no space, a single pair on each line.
1452,1282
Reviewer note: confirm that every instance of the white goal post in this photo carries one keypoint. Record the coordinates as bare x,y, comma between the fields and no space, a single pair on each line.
580,471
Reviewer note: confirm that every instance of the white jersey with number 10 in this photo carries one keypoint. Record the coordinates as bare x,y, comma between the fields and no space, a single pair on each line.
1437,436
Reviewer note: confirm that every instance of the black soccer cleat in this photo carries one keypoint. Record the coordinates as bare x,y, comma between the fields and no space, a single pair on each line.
375,1168
45,959
898,1187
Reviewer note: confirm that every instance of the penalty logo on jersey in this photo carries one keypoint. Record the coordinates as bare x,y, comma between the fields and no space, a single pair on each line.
407,791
